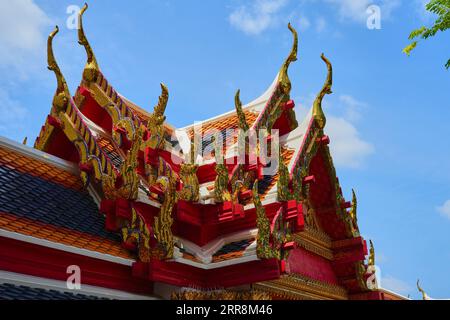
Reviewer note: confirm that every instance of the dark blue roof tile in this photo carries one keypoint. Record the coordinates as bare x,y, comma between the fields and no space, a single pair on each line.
34,198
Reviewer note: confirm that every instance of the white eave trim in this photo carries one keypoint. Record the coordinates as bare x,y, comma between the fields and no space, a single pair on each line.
206,252
221,264
393,293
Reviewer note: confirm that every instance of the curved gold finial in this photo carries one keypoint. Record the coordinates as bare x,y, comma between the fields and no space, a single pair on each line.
354,207
424,294
326,89
62,95
371,254
283,77
91,69
24,142
160,108
243,125
193,151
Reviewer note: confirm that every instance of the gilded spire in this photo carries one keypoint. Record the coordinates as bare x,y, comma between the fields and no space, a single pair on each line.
221,193
193,151
218,155
354,207
160,108
62,95
243,125
371,254
326,89
283,192
283,77
424,294
91,69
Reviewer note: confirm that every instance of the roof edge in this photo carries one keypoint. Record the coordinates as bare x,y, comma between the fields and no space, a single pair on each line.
38,155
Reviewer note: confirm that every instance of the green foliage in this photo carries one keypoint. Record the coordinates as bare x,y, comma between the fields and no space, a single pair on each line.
407,50
441,8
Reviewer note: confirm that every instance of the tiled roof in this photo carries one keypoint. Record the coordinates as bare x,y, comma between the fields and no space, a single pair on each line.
232,250
60,212
110,150
9,291
230,122
24,164
268,182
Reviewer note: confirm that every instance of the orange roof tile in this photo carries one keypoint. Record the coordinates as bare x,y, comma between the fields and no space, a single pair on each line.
38,168
62,235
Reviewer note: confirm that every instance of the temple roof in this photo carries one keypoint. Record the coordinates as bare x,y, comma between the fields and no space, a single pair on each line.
178,218
42,197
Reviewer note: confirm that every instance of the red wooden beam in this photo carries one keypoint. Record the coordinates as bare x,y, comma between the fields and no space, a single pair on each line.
183,275
32,259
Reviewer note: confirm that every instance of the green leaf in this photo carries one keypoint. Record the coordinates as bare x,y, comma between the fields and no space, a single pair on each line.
416,33
407,50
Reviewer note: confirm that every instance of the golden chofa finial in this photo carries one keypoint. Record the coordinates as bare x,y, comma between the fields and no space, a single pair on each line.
62,94
91,69
371,254
424,294
243,125
160,108
354,207
317,108
193,151
283,77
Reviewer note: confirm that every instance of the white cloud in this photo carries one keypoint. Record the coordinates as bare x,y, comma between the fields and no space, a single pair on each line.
424,15
445,209
303,23
347,147
21,34
355,10
321,24
353,107
351,9
396,285
12,113
257,17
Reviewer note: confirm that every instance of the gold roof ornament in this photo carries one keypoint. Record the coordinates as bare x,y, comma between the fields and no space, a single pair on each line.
243,125
221,193
371,254
354,207
91,70
283,192
62,95
263,247
318,114
158,111
283,77
424,294
24,142
155,122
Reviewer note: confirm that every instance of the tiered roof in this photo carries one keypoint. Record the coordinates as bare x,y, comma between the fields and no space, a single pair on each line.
126,193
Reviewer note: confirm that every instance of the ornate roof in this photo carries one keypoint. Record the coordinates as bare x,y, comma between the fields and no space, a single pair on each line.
131,193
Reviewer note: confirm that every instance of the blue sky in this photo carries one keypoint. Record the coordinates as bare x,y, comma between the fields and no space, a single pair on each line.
388,117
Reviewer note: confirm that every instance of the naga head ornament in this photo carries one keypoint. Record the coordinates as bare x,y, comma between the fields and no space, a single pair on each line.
318,113
283,77
62,95
91,70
